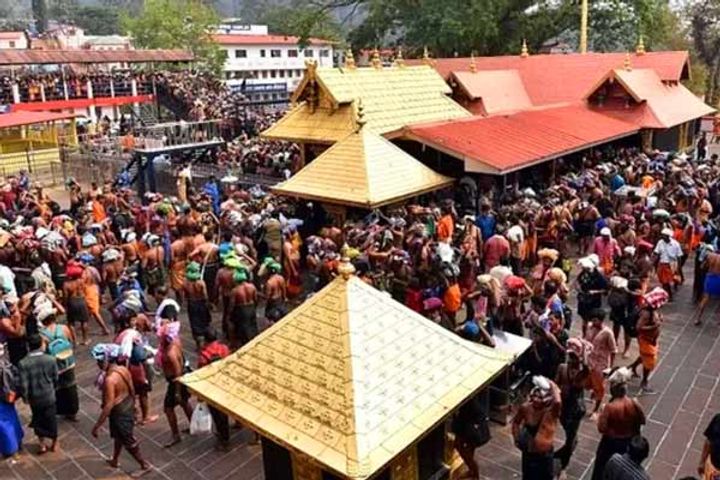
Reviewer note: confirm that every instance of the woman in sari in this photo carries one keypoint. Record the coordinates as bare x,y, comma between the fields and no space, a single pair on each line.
11,432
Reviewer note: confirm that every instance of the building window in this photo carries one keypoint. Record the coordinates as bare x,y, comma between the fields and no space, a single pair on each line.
281,73
273,73
264,74
228,75
324,53
276,53
309,53
240,53
262,53
292,53
12,45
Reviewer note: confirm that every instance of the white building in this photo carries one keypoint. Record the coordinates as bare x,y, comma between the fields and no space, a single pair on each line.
267,68
15,40
107,42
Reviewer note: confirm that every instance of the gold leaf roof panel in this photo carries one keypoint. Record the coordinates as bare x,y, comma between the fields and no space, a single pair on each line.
350,378
363,170
392,98
300,124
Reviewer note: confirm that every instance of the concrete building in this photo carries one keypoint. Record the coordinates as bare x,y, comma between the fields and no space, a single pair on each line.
265,67
14,40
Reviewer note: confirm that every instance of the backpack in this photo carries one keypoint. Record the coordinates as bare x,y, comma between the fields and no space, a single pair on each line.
61,348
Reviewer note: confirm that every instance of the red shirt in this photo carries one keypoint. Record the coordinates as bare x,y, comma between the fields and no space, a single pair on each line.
414,300
211,352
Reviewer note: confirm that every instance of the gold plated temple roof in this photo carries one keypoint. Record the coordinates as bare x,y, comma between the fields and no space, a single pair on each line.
393,97
363,170
350,378
300,124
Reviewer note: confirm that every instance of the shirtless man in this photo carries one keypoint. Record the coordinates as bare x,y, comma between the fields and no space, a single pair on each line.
224,282
93,279
111,273
76,305
291,266
177,394
117,406
152,264
711,287
178,263
206,254
196,293
130,249
275,293
534,428
243,305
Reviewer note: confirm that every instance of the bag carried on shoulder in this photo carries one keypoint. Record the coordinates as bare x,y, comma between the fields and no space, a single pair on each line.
61,348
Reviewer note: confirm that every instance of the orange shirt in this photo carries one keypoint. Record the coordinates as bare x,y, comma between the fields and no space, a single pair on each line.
98,212
445,228
452,299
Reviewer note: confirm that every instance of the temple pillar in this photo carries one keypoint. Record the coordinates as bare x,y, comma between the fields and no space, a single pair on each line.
304,468
303,155
646,139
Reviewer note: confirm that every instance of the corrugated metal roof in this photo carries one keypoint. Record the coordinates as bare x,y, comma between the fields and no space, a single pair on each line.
550,79
11,35
391,98
240,39
498,90
39,57
16,119
350,378
363,170
504,143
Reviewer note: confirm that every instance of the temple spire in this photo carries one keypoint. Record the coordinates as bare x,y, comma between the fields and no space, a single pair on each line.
375,60
349,59
627,64
524,49
399,60
640,49
473,65
426,56
359,115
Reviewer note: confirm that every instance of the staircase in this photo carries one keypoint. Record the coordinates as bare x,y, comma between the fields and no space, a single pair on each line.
143,115
166,99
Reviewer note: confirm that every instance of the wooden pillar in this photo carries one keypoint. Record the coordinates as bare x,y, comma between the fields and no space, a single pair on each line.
553,171
303,156
646,137
405,465
303,468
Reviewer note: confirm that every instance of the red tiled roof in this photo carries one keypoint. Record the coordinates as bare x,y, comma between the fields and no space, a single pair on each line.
663,104
240,39
557,78
38,57
505,143
498,90
11,35
15,119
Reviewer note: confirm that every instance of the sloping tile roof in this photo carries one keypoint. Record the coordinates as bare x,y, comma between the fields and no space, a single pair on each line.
555,78
363,170
39,57
499,90
15,119
11,35
504,143
301,124
240,39
350,378
662,104
391,97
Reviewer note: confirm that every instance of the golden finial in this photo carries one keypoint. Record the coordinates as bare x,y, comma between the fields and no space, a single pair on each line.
524,49
349,59
473,66
399,60
640,49
359,115
376,62
626,64
311,66
426,56
345,268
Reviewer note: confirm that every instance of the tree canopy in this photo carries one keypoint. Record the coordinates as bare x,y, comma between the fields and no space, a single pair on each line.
184,24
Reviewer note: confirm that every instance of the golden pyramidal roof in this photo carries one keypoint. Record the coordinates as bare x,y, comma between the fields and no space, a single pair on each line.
393,97
363,170
350,378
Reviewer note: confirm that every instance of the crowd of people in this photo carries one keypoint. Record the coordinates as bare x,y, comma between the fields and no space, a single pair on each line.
223,262
69,84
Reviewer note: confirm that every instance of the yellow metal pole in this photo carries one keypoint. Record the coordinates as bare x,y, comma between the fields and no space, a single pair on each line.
583,26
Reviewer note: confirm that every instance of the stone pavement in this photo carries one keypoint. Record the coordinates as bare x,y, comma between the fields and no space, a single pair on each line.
686,381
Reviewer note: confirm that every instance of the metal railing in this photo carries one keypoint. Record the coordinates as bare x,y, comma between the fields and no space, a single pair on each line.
177,134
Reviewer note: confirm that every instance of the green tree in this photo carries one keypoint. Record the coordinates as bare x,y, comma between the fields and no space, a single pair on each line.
186,24
40,13
96,19
301,20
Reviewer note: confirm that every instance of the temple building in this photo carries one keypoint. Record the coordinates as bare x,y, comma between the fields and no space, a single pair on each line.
392,97
363,170
350,385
